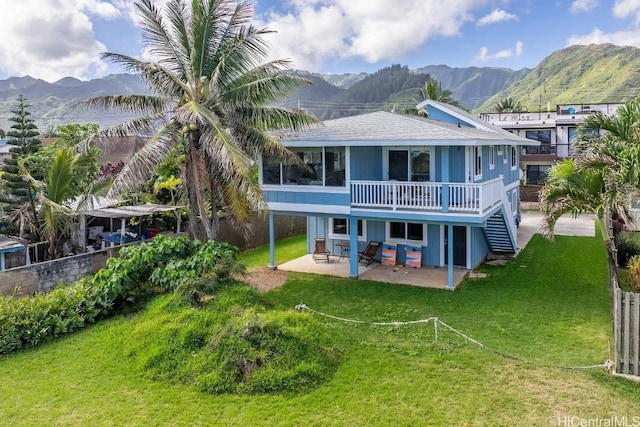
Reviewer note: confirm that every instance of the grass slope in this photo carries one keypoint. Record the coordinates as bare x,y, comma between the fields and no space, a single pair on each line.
548,307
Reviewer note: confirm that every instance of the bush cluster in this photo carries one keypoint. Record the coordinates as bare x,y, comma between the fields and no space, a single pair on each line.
627,246
28,322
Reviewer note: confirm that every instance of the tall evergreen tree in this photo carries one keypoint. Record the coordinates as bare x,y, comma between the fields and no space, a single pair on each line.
23,138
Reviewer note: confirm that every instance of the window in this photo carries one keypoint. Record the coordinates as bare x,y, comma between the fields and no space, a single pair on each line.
420,166
339,229
537,174
406,232
311,175
544,136
514,157
270,171
492,156
335,167
324,167
410,165
505,156
477,168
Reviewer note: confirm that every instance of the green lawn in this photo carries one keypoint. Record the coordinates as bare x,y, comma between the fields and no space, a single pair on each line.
549,307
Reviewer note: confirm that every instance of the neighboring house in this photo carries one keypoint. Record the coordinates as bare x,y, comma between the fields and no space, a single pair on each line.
554,130
4,150
448,184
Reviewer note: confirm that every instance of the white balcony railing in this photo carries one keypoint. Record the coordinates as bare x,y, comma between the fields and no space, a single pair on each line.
427,196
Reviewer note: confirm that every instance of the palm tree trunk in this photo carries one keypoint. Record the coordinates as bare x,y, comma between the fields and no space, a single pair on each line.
34,212
191,170
214,224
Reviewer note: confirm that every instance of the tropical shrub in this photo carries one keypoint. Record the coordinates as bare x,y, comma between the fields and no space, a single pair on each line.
627,246
158,265
28,322
633,272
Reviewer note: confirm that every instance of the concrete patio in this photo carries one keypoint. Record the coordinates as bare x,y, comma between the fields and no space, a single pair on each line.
434,277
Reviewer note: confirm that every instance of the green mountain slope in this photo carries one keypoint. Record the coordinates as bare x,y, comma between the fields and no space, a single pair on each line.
472,86
577,74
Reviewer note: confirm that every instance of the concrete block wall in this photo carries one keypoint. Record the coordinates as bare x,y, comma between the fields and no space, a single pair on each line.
44,276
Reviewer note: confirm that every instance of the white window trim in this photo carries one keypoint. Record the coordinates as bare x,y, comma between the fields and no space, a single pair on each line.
387,232
513,157
335,236
477,155
505,156
492,157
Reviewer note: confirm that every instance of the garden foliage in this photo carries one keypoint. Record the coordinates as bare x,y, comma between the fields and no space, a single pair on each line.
211,331
161,264
627,246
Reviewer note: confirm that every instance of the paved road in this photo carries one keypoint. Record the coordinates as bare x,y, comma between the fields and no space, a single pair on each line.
583,225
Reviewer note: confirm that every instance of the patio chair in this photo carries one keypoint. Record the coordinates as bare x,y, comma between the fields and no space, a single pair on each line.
321,251
368,255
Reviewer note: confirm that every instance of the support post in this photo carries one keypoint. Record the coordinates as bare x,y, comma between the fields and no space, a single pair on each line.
82,239
123,224
272,243
353,247
450,257
444,168
2,265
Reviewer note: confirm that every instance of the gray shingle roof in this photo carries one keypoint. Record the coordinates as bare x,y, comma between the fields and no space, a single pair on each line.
385,127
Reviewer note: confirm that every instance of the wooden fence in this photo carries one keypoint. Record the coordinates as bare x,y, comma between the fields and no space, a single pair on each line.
626,316
626,329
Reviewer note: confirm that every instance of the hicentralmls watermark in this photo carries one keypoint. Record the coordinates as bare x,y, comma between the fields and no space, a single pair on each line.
613,421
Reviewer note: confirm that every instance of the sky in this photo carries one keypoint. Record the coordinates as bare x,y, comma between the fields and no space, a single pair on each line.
52,39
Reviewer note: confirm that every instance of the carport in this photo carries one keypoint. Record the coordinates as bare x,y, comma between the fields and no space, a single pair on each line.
122,213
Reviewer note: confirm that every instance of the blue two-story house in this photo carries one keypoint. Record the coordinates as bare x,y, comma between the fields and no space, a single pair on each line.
447,183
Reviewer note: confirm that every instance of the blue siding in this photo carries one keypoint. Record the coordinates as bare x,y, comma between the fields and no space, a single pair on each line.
316,227
457,168
366,163
311,196
479,246
436,114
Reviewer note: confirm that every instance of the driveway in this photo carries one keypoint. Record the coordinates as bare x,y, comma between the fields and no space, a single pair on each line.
583,225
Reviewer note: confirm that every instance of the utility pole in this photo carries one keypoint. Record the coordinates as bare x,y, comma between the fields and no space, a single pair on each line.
539,105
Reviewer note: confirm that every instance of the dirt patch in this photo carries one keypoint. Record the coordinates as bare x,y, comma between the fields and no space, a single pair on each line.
264,279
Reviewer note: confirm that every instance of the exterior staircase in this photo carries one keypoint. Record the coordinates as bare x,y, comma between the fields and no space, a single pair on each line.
500,230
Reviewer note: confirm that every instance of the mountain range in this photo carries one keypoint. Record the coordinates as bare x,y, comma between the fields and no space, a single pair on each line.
576,74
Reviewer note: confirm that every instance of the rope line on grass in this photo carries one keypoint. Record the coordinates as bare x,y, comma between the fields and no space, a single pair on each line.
608,364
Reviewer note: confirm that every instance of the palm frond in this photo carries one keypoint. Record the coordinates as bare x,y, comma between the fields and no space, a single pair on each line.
146,160
142,104
169,42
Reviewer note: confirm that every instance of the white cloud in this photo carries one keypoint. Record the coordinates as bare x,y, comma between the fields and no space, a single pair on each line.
51,39
583,6
626,8
484,55
498,15
315,31
597,36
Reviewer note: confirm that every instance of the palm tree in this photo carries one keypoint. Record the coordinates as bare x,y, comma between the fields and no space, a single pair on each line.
56,216
213,92
433,90
508,105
